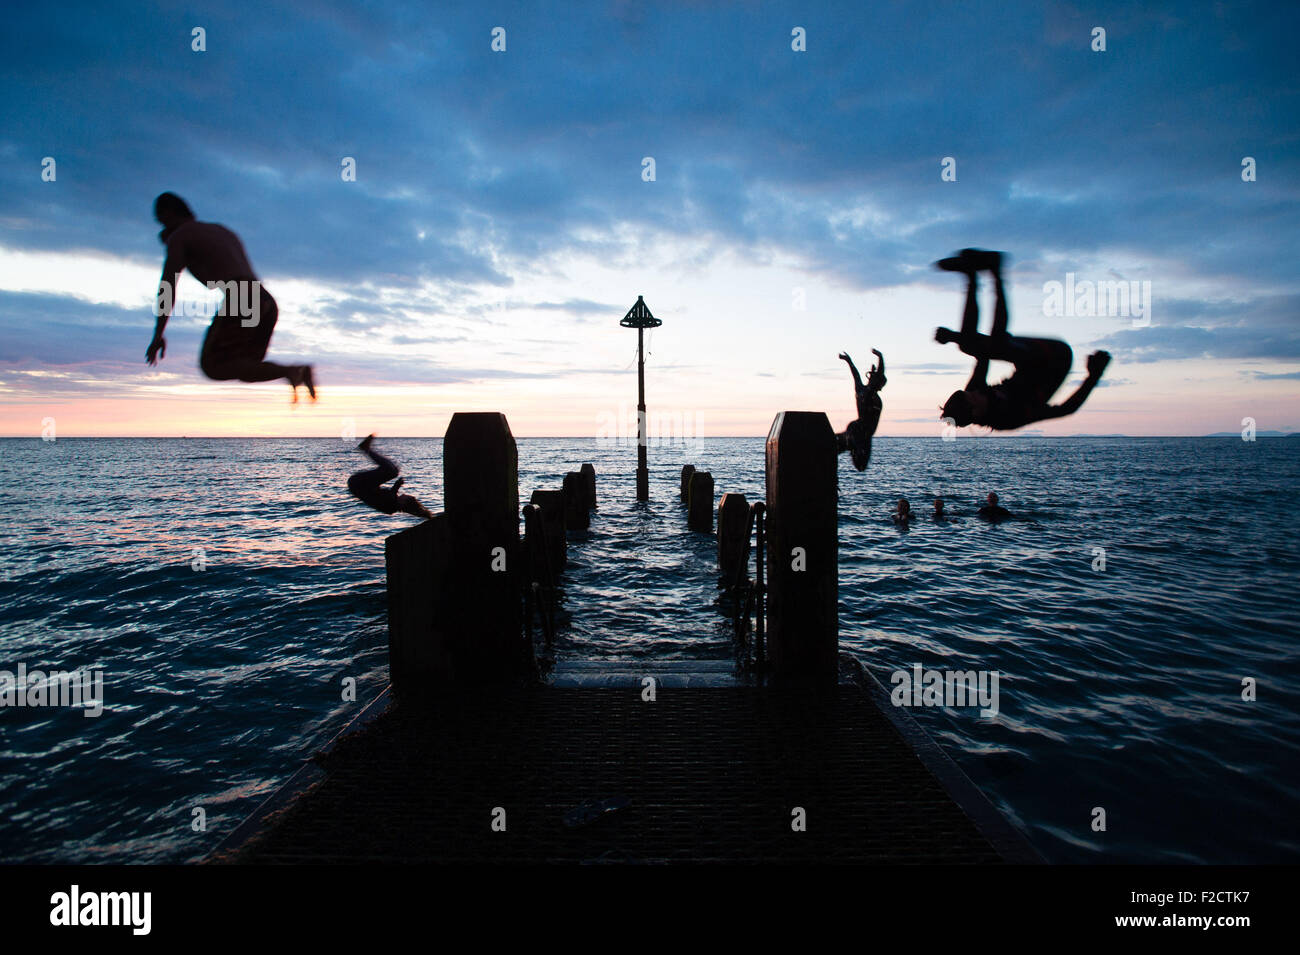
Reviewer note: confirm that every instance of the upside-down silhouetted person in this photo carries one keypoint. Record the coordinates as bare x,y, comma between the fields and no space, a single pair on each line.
1042,364
368,487
856,438
234,348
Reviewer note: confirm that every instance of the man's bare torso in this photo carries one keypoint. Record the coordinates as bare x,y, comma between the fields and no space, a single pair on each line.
211,252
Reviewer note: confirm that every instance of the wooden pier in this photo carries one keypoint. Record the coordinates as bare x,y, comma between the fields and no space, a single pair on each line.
471,758
586,770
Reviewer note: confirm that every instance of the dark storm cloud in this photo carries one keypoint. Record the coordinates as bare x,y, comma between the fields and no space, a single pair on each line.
504,159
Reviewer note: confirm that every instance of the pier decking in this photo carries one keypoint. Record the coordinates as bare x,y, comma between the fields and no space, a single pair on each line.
586,771
468,759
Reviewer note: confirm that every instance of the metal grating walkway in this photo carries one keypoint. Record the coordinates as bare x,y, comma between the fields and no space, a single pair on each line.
702,774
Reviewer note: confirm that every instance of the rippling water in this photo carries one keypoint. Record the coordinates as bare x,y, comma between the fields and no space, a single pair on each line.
1119,689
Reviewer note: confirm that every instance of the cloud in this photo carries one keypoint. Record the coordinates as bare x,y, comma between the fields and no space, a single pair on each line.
1171,343
1259,326
475,169
60,345
1287,376
43,330
580,307
522,155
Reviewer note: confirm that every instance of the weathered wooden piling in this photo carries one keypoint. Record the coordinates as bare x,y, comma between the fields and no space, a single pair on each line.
699,505
416,562
481,491
687,471
536,552
542,574
802,535
588,473
551,506
733,535
468,629
577,517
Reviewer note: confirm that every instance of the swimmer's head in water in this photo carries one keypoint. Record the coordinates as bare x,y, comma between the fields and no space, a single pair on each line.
958,407
938,505
992,499
903,506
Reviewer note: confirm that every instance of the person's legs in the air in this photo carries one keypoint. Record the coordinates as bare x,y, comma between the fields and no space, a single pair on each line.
969,336
999,307
367,484
972,261
235,352
386,466
859,444
970,316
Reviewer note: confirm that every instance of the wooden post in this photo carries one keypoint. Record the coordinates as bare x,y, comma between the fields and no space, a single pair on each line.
551,504
541,576
576,515
687,471
416,563
802,537
481,491
733,535
588,473
699,507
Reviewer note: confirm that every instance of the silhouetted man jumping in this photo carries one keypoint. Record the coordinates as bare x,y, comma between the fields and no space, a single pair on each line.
856,438
234,348
1042,364
368,487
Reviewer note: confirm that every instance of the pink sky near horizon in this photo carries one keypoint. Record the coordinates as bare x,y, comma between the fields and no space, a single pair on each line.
222,410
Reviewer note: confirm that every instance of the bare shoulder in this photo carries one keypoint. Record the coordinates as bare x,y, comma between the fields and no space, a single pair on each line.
182,233
217,229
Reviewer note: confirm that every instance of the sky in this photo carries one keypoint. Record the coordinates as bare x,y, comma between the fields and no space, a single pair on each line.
502,219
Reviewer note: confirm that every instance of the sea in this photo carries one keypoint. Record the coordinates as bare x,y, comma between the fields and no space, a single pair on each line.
1140,612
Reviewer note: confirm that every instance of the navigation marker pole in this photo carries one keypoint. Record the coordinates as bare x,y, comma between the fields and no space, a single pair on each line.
639,317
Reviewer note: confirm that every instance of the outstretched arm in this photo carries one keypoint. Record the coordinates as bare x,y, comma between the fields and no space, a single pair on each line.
1097,363
857,379
171,276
